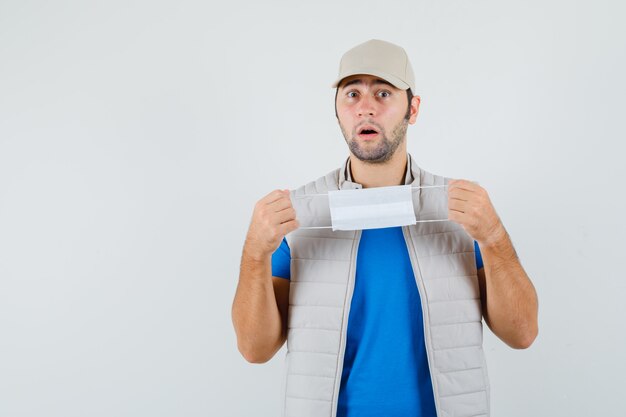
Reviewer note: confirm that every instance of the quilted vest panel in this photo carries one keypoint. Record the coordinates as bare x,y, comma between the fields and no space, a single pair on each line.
323,271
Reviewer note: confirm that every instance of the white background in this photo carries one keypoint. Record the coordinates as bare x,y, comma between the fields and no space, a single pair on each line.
136,136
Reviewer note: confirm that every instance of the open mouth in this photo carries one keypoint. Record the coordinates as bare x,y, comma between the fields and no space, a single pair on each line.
367,132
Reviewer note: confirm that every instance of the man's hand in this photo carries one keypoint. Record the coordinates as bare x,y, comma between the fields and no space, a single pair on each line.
273,217
261,303
469,205
508,297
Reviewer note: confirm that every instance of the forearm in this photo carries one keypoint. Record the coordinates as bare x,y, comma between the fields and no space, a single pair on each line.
255,314
511,300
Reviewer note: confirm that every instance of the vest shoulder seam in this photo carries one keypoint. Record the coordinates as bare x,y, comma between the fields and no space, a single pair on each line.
320,185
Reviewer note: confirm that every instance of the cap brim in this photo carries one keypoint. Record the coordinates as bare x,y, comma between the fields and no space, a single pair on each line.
395,81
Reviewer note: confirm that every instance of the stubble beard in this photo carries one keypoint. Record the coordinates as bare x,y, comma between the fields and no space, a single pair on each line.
386,147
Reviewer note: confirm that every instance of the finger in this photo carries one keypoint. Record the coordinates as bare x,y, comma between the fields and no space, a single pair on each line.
460,206
273,196
463,184
289,226
460,194
280,204
284,215
458,217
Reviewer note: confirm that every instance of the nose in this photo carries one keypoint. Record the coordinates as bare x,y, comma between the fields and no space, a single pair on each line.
367,106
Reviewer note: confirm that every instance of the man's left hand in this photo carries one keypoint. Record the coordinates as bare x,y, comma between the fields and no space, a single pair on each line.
469,205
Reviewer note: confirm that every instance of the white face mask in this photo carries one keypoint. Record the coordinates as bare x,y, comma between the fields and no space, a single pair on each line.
372,208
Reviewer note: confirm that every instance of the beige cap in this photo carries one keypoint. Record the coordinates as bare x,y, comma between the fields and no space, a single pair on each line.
382,59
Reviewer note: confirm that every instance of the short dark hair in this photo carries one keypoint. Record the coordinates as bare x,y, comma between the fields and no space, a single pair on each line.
409,96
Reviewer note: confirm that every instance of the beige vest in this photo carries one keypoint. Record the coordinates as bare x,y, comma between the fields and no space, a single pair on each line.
323,264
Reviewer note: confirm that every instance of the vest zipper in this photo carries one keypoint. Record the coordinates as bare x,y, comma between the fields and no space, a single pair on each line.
344,324
419,280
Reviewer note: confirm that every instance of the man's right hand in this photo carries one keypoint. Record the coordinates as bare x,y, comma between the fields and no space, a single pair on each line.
273,217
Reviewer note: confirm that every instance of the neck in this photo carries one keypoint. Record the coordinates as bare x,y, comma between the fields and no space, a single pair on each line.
371,175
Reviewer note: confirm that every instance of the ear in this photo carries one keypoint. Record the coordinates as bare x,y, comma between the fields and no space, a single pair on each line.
415,107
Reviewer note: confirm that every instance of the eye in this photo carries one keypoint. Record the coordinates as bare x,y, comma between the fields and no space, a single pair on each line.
384,93
351,94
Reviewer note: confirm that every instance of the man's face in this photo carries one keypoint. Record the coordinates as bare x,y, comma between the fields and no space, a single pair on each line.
371,114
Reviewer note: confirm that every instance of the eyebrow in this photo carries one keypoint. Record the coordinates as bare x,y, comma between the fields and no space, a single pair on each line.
360,81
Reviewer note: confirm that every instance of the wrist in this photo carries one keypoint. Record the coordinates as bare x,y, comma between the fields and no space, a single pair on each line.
254,255
496,238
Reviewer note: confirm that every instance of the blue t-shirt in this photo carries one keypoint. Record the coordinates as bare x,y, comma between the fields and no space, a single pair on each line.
385,369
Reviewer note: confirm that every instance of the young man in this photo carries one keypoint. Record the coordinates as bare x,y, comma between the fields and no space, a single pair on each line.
380,322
